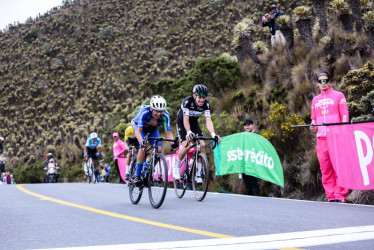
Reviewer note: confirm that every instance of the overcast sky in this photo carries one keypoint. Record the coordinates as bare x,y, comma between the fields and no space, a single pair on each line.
19,10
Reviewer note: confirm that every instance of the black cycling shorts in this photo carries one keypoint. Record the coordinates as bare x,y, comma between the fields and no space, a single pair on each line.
194,126
132,141
92,153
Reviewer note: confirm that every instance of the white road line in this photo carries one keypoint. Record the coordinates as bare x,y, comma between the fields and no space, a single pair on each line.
270,241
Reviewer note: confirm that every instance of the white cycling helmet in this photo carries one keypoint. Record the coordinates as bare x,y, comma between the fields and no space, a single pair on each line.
158,103
93,135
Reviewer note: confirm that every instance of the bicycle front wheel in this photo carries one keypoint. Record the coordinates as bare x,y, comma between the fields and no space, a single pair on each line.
180,185
200,177
157,181
134,191
93,177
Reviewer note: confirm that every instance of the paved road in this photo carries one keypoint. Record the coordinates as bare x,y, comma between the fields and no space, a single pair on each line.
79,214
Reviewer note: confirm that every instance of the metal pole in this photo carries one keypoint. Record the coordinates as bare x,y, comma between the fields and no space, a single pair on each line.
329,124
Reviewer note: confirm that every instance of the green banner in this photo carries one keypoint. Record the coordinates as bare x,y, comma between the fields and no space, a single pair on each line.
250,154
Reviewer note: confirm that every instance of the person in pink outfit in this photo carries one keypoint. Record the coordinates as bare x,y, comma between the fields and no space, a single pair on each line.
118,151
330,106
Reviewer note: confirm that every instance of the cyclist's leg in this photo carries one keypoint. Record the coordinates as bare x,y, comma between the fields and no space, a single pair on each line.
197,131
94,157
156,134
141,154
182,138
129,155
128,162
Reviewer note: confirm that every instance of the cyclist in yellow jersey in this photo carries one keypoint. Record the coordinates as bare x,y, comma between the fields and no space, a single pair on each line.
129,132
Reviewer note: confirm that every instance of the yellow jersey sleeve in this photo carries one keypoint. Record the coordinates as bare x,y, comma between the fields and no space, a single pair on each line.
129,132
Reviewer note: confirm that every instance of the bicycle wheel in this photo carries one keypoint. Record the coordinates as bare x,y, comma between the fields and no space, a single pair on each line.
200,179
157,181
88,167
181,185
93,177
134,191
87,174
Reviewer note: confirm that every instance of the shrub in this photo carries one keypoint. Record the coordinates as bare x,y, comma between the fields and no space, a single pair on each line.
280,132
74,173
108,34
29,174
357,84
218,74
31,36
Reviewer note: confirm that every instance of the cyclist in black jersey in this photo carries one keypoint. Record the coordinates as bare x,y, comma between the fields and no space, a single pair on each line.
187,124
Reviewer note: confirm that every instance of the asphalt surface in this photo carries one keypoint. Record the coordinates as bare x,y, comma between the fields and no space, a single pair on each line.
102,214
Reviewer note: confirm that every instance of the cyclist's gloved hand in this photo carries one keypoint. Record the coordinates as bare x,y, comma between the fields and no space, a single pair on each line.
174,146
216,136
190,135
85,155
141,144
97,154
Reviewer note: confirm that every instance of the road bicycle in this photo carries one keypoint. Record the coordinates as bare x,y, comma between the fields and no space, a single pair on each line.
191,174
90,171
154,175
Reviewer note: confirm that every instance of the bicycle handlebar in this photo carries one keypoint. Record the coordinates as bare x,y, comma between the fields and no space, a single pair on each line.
196,138
146,138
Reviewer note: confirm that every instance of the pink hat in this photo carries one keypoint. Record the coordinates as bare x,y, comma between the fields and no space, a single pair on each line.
115,134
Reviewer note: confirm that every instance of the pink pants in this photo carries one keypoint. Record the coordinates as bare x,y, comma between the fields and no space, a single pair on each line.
329,177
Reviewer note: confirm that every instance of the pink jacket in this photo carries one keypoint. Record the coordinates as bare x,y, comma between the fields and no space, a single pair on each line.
118,148
329,106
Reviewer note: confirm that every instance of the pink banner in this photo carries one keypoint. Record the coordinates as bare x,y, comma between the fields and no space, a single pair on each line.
170,159
351,151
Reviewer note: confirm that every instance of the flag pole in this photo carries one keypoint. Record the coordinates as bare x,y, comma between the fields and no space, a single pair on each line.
329,124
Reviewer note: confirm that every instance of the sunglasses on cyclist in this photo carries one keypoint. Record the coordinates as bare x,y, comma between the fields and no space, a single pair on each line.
201,95
158,112
323,81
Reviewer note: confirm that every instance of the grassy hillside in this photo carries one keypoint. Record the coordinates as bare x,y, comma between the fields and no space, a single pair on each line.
78,69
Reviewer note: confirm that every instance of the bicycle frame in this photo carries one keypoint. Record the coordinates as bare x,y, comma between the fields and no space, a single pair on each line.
191,171
89,165
155,176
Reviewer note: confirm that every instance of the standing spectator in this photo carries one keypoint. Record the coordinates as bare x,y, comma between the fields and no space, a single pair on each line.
118,149
3,178
107,169
270,21
8,178
329,106
130,140
12,179
2,166
105,172
97,174
1,144
250,182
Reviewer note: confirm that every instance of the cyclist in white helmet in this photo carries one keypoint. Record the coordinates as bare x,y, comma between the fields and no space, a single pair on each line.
147,121
92,149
